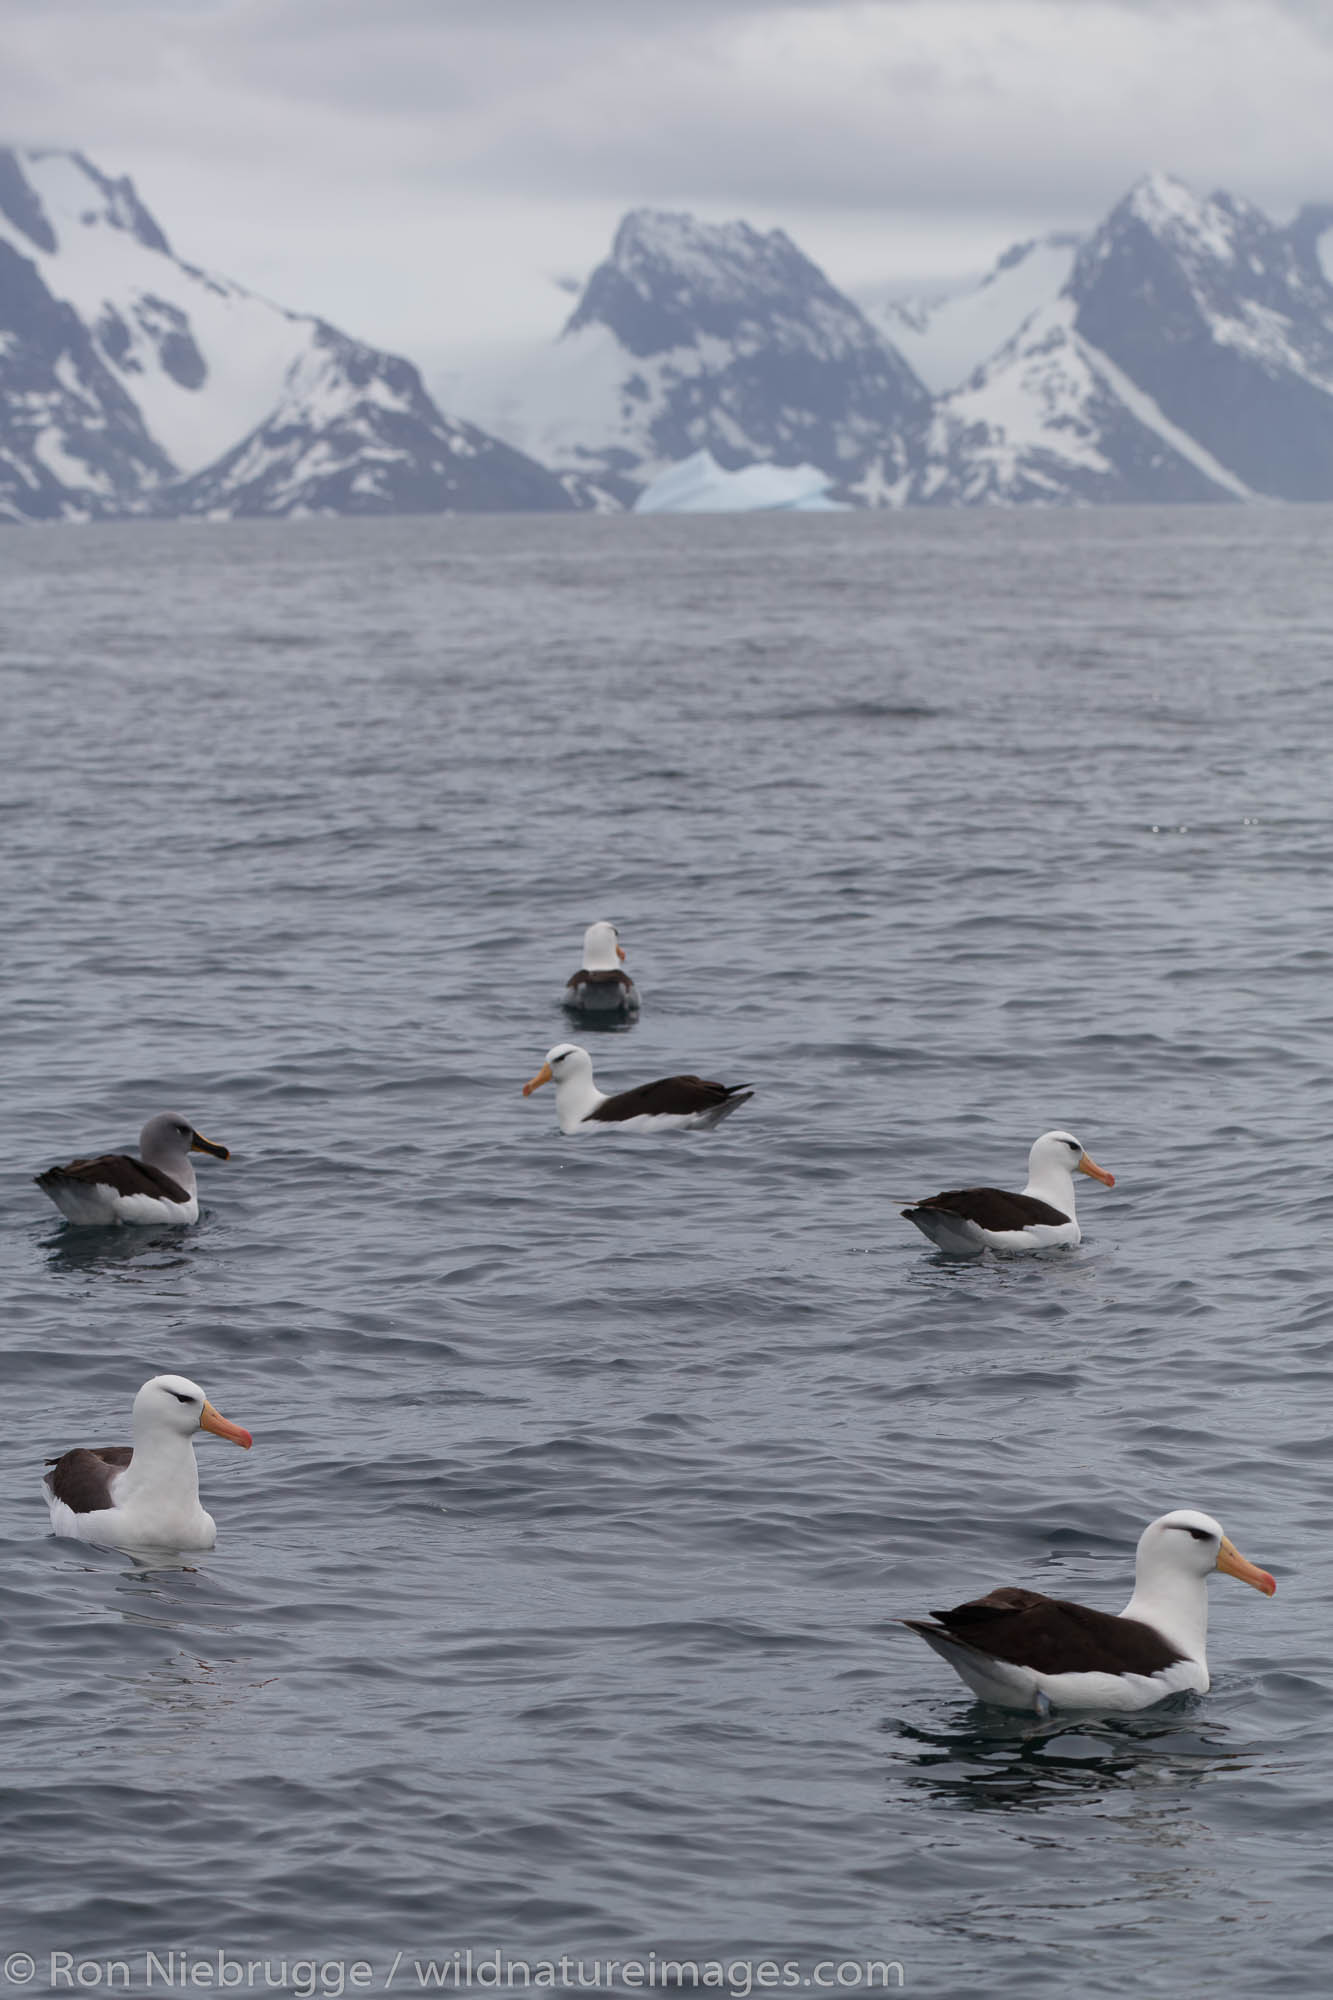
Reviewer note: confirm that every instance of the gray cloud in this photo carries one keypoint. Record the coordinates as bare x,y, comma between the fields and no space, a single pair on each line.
302,143
931,103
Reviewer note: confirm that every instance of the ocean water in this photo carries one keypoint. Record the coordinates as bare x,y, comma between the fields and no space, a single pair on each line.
553,1612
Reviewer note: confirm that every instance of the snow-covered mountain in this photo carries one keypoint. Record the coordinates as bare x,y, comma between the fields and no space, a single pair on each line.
1226,321
1051,419
696,336
1187,355
1181,351
354,432
134,382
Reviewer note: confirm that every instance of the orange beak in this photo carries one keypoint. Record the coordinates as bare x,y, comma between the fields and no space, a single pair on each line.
1087,1165
620,953
1232,1563
199,1144
220,1427
535,1082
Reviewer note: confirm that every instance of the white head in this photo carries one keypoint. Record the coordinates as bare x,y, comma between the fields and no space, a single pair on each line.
601,948
168,1136
1187,1544
1059,1156
565,1063
173,1406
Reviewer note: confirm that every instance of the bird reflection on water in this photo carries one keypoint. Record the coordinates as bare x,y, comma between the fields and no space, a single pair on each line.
72,1252
1011,1762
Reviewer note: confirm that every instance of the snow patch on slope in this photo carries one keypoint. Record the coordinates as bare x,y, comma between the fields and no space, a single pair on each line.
945,342
1032,399
1049,419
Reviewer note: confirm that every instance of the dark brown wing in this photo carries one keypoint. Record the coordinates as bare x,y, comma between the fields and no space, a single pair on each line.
681,1095
82,1478
118,1171
603,980
1052,1636
991,1208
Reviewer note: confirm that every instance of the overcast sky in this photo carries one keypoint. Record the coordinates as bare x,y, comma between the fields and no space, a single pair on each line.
421,171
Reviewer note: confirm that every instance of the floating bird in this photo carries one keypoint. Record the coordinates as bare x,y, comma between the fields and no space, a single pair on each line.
671,1102
968,1220
600,988
1025,1651
1022,1650
144,1495
157,1187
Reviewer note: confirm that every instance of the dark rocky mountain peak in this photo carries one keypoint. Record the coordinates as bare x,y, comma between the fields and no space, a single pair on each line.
1220,316
671,280
697,336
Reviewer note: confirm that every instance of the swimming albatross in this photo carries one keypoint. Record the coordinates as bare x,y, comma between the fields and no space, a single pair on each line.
672,1102
115,1187
1022,1650
965,1221
600,987
144,1495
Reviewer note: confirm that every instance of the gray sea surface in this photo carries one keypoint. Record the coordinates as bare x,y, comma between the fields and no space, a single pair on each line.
553,1611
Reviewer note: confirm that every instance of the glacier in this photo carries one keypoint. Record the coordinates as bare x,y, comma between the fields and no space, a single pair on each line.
946,340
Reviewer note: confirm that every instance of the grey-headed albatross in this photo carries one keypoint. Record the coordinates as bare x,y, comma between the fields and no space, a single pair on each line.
115,1187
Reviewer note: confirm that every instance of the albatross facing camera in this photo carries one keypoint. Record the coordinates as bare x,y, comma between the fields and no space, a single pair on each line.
144,1495
601,990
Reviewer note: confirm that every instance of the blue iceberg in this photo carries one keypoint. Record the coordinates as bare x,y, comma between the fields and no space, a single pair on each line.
698,485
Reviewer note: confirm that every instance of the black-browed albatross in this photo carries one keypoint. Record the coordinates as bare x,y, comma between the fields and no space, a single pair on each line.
1020,1649
965,1221
144,1495
672,1102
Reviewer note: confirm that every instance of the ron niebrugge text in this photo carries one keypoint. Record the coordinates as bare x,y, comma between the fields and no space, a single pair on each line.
311,1977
